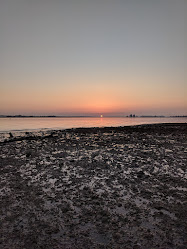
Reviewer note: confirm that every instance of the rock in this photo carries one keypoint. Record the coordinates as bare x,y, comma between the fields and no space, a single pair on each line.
10,134
28,154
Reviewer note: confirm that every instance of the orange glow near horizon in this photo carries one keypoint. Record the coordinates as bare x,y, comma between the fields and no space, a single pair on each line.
93,58
99,96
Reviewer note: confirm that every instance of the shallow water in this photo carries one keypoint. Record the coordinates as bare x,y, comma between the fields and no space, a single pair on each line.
29,124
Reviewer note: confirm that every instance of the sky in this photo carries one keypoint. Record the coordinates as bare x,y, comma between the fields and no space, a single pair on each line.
83,57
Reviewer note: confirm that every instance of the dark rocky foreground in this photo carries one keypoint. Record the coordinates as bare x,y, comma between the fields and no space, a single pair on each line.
120,187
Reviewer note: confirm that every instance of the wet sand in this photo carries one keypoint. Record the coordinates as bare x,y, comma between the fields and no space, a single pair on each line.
122,187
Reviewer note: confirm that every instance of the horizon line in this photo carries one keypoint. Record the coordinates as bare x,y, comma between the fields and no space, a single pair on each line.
86,116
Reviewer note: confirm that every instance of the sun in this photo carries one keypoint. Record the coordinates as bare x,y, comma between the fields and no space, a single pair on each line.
101,116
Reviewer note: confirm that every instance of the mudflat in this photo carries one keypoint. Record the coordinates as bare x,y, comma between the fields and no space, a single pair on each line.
121,187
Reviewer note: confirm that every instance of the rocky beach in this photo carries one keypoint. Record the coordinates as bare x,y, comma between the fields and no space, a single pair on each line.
115,187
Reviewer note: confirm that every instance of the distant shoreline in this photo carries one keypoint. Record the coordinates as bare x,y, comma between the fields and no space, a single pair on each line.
51,116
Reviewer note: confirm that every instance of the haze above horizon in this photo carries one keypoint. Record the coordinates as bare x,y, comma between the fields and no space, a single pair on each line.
102,57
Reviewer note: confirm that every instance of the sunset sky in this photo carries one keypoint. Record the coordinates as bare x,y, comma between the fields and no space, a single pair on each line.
83,57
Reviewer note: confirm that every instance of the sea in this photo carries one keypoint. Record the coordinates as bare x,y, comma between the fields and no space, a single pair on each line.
59,123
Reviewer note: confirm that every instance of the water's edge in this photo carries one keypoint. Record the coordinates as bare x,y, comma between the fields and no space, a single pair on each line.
11,136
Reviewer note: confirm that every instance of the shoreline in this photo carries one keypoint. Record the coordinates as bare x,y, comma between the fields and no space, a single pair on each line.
30,134
111,187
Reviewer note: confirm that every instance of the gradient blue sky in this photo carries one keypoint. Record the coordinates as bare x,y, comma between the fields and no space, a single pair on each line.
89,57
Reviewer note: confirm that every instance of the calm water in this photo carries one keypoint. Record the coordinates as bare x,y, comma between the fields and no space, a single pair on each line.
29,124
